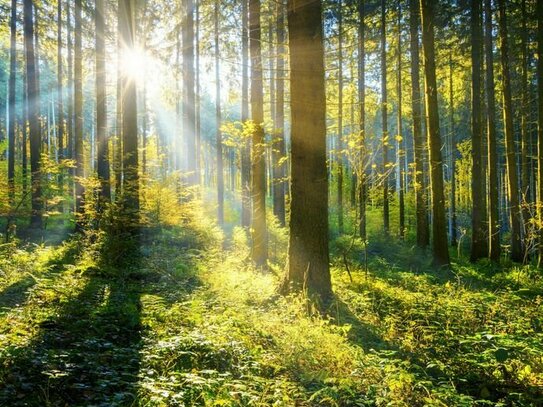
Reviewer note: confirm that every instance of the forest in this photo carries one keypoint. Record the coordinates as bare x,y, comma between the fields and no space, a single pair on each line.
271,203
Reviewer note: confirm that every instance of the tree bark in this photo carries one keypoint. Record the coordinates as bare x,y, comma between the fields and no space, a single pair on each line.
440,249
308,255
339,154
60,104
218,136
384,113
188,91
78,111
423,232
401,151
493,203
512,177
258,161
11,100
539,14
246,149
362,106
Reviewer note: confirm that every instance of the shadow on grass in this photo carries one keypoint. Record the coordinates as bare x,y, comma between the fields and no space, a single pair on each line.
16,293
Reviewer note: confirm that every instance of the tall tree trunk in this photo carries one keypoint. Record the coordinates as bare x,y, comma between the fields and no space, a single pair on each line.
188,91
279,149
525,136
423,232
129,121
197,114
308,255
515,214
101,105
539,14
245,150
362,161
70,98
384,113
258,161
401,151
339,156
218,140
439,225
452,147
493,203
33,96
24,161
11,100
60,104
78,111
479,247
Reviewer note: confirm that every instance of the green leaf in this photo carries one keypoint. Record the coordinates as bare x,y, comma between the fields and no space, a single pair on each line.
501,355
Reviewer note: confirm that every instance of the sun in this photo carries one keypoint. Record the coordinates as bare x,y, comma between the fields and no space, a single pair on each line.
134,64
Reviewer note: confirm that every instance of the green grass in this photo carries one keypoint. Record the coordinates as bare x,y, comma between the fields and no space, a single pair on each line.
189,323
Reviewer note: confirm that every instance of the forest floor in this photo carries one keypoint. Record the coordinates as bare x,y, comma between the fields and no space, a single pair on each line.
187,322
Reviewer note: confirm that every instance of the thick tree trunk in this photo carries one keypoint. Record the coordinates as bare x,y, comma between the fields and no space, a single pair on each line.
101,105
258,181
493,203
308,255
423,232
515,212
130,185
246,148
384,113
362,106
33,95
479,246
439,228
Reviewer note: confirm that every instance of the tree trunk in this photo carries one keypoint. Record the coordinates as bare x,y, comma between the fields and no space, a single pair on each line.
308,255
101,105
452,146
479,247
258,161
539,14
197,114
493,203
33,95
339,148
188,91
515,214
60,104
401,151
423,232
129,121
245,150
11,100
362,160
384,112
78,111
279,149
218,140
439,228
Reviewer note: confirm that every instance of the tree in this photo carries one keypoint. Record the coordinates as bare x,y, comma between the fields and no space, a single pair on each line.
188,91
339,163
479,247
78,110
101,112
362,107
258,170
510,156
440,248
60,104
218,137
493,203
308,255
245,150
33,95
11,99
279,151
540,124
384,113
423,233
130,186
401,152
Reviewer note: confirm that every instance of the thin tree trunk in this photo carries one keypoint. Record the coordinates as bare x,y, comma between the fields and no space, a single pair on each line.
479,247
258,183
515,213
339,148
452,146
401,150
423,232
439,229
188,91
308,255
539,14
197,114
78,111
220,166
60,104
362,161
11,100
384,113
493,203
245,150
101,103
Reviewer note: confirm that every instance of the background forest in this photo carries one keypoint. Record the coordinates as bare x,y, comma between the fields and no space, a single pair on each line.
217,202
